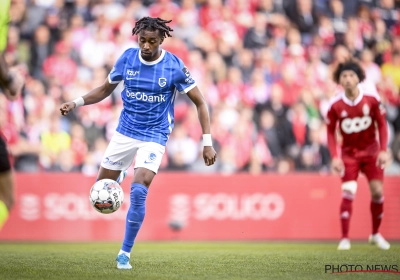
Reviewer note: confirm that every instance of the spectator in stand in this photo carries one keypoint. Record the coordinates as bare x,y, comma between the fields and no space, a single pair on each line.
366,27
291,85
271,9
271,135
187,22
257,36
182,150
314,156
54,141
232,89
41,49
337,19
381,41
59,67
304,16
372,71
354,38
165,9
387,11
299,120
390,95
392,68
65,162
244,60
264,67
258,90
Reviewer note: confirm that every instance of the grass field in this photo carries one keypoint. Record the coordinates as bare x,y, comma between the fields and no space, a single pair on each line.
183,260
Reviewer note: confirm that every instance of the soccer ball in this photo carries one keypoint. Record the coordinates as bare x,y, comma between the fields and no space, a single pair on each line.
106,196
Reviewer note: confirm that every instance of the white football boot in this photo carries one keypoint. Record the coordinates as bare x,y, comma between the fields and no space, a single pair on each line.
344,244
378,240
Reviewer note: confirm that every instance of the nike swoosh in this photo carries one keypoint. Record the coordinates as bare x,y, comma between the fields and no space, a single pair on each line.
148,161
132,221
129,78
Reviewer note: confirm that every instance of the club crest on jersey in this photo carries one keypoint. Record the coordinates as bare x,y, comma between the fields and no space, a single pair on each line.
162,82
365,110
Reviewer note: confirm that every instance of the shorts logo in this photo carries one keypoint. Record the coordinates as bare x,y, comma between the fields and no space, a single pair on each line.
110,162
356,124
151,158
162,82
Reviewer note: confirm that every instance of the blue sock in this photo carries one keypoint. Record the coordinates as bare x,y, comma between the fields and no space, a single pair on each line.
135,216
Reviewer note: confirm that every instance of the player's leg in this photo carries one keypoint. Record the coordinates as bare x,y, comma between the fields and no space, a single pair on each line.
349,189
6,195
117,158
375,178
115,175
148,160
6,184
105,173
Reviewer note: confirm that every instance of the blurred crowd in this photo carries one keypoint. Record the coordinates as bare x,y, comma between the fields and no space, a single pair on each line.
264,67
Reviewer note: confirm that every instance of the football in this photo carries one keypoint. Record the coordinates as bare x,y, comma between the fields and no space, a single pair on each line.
106,196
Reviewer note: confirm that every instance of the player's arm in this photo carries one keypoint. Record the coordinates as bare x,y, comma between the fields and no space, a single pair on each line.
336,164
198,99
10,81
94,96
380,118
101,92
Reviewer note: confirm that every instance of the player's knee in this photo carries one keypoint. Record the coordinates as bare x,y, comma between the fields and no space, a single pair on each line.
144,177
350,187
376,189
376,194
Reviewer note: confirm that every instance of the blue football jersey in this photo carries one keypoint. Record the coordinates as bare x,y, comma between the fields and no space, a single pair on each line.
149,94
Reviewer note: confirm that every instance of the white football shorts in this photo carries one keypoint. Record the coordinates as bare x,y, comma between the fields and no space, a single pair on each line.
122,149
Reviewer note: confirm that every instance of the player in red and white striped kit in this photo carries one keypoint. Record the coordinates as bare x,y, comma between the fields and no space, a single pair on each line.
358,114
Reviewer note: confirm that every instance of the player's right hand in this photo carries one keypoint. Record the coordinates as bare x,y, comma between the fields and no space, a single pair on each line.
67,107
337,165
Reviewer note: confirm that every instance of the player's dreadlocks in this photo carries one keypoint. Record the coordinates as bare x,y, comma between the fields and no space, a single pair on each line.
149,23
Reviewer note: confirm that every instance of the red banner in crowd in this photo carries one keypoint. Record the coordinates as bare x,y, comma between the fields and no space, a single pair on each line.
183,206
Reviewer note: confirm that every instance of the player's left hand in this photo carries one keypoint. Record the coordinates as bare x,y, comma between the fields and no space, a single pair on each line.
209,155
382,159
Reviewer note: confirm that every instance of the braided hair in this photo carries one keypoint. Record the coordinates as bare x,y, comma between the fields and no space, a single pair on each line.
149,23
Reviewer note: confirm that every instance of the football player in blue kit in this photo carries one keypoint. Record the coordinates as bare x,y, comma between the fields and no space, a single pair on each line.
152,77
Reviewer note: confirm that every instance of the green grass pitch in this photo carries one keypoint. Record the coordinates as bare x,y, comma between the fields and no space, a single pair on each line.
191,260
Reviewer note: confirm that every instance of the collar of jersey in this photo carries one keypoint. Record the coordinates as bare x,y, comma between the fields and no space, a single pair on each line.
356,101
152,62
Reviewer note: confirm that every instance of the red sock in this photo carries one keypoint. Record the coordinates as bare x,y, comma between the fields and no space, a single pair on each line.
345,213
377,213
